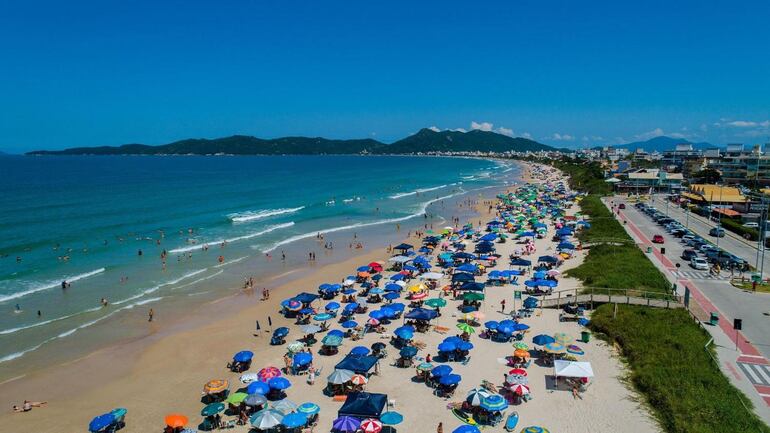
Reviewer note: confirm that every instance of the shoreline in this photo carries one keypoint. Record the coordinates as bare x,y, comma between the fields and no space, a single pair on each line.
123,355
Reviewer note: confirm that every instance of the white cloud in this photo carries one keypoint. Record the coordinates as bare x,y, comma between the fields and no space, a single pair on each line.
677,135
526,135
484,126
505,131
742,124
561,137
434,129
657,132
459,130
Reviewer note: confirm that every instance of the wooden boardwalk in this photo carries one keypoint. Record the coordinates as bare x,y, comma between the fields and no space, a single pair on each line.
609,296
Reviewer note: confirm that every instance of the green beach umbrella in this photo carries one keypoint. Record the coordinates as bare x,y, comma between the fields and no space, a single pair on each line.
435,302
521,345
473,296
212,409
236,398
466,328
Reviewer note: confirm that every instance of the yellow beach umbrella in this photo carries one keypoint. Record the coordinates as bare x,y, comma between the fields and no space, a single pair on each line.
215,386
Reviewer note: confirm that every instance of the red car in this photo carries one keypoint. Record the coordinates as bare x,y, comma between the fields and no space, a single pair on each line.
622,206
657,239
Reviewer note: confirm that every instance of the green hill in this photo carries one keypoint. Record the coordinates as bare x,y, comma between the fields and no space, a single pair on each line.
424,141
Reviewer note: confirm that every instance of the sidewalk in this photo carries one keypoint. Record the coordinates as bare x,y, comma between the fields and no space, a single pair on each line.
737,358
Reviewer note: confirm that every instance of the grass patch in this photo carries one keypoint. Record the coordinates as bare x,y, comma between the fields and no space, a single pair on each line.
604,226
746,285
620,267
673,372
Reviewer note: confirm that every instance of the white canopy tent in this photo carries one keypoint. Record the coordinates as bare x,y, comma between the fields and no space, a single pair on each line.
432,275
572,369
399,259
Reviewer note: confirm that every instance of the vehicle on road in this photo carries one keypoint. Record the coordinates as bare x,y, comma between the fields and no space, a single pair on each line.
689,254
658,239
718,232
699,264
751,225
622,206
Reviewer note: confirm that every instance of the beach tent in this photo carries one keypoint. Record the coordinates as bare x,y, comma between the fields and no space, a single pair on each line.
360,364
305,297
399,259
521,262
403,247
363,405
547,259
572,369
432,275
462,277
421,314
477,287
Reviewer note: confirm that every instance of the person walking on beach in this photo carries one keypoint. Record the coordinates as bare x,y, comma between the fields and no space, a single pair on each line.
151,315
440,428
502,306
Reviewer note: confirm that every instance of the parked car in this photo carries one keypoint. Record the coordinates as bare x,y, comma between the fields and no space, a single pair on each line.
622,206
689,254
751,225
699,263
658,239
687,238
717,232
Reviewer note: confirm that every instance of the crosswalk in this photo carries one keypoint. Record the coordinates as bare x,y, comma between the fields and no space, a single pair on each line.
758,374
701,275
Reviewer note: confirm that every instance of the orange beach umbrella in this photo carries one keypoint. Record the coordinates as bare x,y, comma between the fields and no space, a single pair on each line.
215,386
176,420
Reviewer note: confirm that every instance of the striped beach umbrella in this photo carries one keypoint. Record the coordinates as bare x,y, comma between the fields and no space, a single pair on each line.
359,379
520,389
494,402
554,347
476,396
215,386
308,408
371,425
266,418
268,373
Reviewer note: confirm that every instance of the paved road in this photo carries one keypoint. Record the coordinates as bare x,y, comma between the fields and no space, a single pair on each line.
731,243
731,302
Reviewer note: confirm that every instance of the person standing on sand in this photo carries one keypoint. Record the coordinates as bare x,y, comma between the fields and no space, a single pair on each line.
440,428
502,306
151,314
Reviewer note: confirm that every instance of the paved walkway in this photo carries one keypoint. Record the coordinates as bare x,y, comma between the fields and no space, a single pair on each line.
740,361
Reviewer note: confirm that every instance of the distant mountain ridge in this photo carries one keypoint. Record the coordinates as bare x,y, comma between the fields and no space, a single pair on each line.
424,141
663,143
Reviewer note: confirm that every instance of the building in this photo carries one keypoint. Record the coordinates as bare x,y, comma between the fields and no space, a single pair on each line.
684,159
643,180
739,166
715,196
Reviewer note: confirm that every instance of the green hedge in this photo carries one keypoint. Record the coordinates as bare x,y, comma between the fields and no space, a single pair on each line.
670,367
739,229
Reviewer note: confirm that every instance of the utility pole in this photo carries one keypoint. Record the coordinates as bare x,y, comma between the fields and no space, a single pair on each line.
719,215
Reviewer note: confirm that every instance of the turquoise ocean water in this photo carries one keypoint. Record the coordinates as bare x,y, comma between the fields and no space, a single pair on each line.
84,220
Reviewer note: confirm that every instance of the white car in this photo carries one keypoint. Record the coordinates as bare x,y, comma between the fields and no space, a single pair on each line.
699,263
751,225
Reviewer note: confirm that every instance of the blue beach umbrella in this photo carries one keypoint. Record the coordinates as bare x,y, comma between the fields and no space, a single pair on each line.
362,269
377,314
520,327
392,287
542,339
332,306
359,350
391,296
258,387
279,383
447,347
243,356
335,333
101,422
391,418
302,358
465,346
404,333
346,424
441,370
349,291
521,262
294,420
408,351
308,408
376,291
491,325
281,332
494,402
322,317
349,324
450,379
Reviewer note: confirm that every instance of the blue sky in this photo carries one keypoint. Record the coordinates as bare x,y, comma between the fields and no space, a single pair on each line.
568,73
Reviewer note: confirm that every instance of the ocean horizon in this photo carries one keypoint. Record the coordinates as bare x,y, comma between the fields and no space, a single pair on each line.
106,225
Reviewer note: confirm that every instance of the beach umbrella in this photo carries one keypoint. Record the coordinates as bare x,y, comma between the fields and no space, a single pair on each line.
243,356
575,350
236,398
258,387
294,420
302,358
450,379
266,419
268,373
515,379
561,337
520,327
310,329
285,406
535,429
441,370
336,333
322,317
392,287
346,424
491,325
293,305
295,346
408,351
249,377
358,379
371,425
521,345
349,291
391,418
308,408
372,322
101,422
254,400
376,291
339,376
281,332
377,315
176,420
425,366
391,296
418,296
359,351
466,428
464,346
332,340
473,296
348,324
464,327
554,347
279,383
215,386
542,339
519,389
494,402
447,346
435,302
332,306
212,409
476,395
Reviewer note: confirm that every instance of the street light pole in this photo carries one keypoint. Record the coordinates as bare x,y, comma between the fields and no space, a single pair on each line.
719,216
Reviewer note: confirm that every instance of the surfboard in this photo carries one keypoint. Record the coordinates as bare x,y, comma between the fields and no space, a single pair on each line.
463,417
